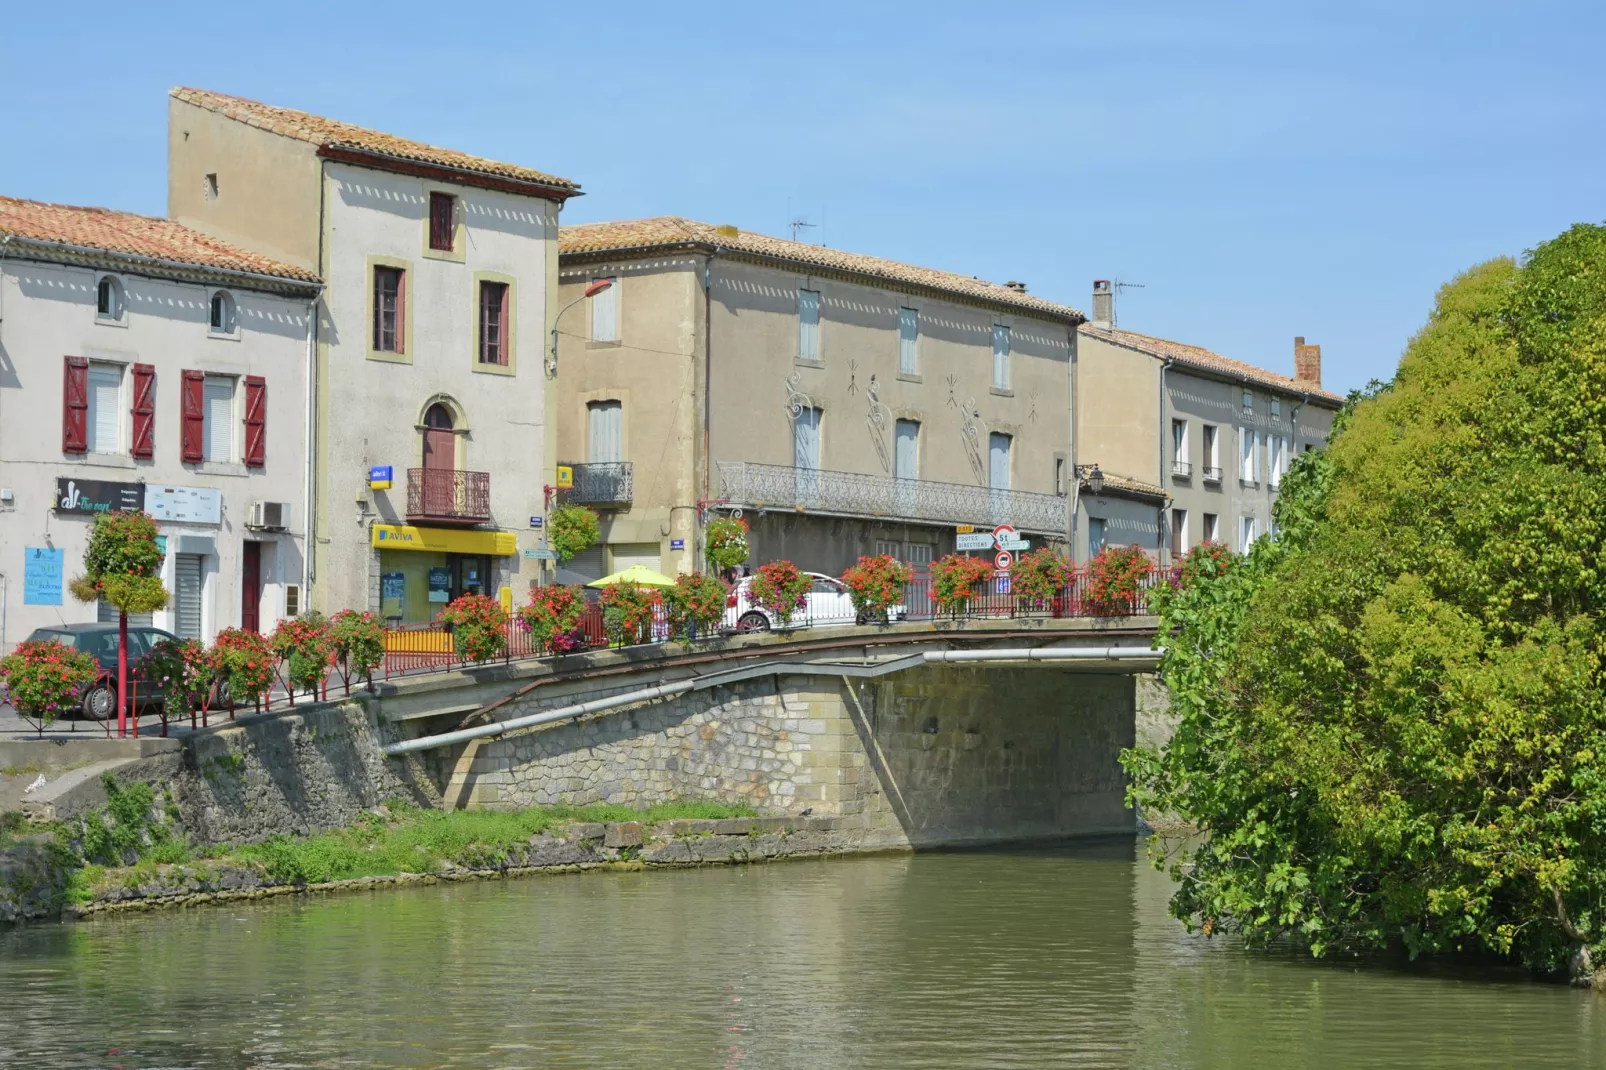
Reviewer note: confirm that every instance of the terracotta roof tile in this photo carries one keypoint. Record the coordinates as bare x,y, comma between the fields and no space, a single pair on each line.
330,133
109,231
1205,360
1126,485
668,231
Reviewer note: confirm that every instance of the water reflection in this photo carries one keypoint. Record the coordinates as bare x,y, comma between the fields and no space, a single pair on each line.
1009,959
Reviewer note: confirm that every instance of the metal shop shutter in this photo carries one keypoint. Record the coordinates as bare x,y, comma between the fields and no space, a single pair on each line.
585,566
628,554
187,595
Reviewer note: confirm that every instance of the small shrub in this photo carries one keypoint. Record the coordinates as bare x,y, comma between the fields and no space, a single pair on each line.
1115,580
121,564
553,618
627,613
572,529
696,604
479,627
726,539
953,582
876,585
45,679
245,662
780,588
359,645
1038,577
307,650
184,671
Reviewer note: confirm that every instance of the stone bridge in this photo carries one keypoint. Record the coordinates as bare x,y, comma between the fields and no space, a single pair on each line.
909,735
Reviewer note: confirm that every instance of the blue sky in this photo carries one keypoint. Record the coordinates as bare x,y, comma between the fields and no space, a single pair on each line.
1263,172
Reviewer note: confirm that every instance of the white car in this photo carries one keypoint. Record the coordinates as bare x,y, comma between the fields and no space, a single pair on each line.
827,603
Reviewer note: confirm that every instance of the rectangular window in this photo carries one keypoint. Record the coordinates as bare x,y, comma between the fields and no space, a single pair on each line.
808,324
998,447
493,323
605,312
1276,408
1179,440
907,449
217,407
1000,357
1246,532
1060,487
1212,452
908,339
605,432
1249,402
1095,535
105,395
390,309
1212,528
806,439
1276,459
442,221
1179,532
1246,455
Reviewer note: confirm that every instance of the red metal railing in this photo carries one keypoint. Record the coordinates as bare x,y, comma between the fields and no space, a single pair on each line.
448,494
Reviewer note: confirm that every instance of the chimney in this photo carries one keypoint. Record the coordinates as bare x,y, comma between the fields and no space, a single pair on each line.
1018,287
1307,362
1103,304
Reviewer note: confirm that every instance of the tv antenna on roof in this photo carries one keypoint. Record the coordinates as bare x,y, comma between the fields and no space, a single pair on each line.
1116,287
800,222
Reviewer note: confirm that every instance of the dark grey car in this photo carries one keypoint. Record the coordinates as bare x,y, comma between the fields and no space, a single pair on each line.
99,641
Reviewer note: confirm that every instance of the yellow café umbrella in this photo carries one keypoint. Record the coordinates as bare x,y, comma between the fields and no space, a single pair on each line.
640,575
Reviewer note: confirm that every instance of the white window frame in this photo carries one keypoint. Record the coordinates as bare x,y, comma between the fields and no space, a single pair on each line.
1211,522
1001,333
897,425
808,324
118,316
207,422
1179,441
1212,446
119,430
1247,532
604,310
908,341
1179,532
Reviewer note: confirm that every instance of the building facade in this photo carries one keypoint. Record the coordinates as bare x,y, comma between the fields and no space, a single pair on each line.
842,404
1217,434
431,423
147,366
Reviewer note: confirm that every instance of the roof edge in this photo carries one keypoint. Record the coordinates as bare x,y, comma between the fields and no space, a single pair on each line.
68,252
384,161
1316,393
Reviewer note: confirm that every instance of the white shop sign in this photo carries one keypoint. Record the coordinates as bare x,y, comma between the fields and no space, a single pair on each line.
189,505
981,540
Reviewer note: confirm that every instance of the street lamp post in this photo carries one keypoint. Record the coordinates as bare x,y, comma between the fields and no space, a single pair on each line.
591,291
1095,483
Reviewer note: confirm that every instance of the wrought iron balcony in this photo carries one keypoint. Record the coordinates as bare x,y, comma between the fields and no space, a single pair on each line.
448,496
1182,469
778,486
602,484
1212,475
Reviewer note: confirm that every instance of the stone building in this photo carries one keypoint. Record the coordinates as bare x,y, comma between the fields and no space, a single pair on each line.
1216,433
845,404
144,365
431,433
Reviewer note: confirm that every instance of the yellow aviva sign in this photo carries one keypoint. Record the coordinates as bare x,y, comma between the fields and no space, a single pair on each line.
443,540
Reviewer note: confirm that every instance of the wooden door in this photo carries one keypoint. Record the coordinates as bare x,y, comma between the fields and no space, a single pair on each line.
440,444
251,587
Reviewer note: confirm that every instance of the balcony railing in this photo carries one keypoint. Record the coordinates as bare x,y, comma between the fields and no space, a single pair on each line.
607,483
1182,469
1212,475
778,486
446,495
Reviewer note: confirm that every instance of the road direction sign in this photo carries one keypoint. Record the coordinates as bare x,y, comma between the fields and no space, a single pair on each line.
1015,545
981,540
1002,560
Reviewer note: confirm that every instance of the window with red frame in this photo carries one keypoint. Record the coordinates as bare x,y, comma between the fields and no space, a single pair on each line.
390,308
493,323
442,214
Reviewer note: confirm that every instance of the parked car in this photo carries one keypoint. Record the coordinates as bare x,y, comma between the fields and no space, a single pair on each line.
99,641
827,603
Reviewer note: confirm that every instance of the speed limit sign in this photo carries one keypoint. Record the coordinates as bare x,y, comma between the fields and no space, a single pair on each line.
1002,560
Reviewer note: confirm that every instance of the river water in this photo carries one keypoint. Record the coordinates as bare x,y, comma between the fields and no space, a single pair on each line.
1029,958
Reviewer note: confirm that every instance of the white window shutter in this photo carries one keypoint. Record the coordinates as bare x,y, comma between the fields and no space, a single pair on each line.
105,408
218,418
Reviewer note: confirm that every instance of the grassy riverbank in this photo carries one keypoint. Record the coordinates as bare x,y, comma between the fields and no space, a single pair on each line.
397,839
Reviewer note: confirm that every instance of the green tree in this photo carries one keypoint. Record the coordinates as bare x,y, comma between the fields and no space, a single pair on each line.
1393,728
121,564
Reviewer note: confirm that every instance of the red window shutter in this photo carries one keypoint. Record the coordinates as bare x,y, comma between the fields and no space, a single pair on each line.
75,406
193,410
256,421
144,411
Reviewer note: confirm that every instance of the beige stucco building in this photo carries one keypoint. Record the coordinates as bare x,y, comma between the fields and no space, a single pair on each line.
146,366
844,404
429,342
1216,433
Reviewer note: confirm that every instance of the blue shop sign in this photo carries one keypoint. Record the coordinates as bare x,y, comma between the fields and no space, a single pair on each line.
41,576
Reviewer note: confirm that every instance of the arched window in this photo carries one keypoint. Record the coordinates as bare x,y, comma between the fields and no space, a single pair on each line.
440,443
222,312
109,299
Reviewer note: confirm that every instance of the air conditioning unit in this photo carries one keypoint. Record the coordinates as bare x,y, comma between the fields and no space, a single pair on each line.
269,516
